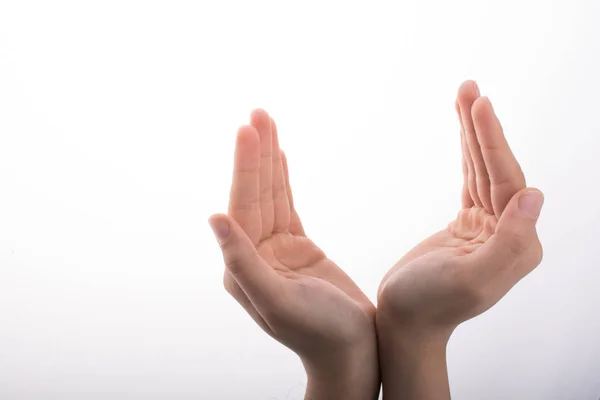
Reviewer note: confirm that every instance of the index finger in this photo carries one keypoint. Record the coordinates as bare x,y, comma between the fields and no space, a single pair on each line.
506,176
244,198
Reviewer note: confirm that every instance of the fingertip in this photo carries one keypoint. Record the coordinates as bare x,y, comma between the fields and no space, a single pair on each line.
220,226
469,89
531,202
481,106
216,218
247,134
247,129
261,121
258,116
220,216
259,112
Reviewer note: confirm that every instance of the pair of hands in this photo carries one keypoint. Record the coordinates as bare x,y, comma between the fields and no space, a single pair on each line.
306,302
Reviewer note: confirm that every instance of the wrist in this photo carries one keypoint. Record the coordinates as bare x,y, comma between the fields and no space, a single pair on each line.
413,359
396,324
350,374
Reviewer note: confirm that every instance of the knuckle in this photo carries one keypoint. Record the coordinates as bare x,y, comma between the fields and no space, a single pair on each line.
231,259
248,205
266,194
243,201
279,193
482,178
237,259
489,225
517,244
472,179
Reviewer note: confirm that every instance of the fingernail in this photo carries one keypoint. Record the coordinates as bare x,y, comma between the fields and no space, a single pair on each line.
531,203
220,228
477,89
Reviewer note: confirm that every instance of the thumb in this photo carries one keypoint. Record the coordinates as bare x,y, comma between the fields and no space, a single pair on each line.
256,278
515,237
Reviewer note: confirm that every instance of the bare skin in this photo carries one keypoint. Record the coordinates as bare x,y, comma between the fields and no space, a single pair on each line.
464,269
285,282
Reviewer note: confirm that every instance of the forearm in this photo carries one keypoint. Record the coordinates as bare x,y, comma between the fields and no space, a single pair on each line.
347,377
413,364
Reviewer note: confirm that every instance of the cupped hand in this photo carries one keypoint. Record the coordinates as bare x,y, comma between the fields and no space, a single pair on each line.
466,268
279,276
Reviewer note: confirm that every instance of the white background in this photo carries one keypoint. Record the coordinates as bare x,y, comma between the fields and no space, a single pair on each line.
117,125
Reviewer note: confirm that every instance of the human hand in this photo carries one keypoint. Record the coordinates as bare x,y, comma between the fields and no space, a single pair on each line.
465,269
285,282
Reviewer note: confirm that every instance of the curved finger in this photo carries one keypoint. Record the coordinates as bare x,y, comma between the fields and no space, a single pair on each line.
467,200
261,283
505,174
467,94
470,184
232,287
281,204
514,246
296,227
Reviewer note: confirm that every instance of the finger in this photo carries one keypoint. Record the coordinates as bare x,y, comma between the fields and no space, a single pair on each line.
244,197
260,120
467,200
471,183
505,174
515,244
256,278
467,94
296,227
281,204
232,287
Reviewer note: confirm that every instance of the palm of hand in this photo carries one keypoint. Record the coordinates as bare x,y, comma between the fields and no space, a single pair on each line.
298,258
434,279
296,292
466,268
321,301
472,227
